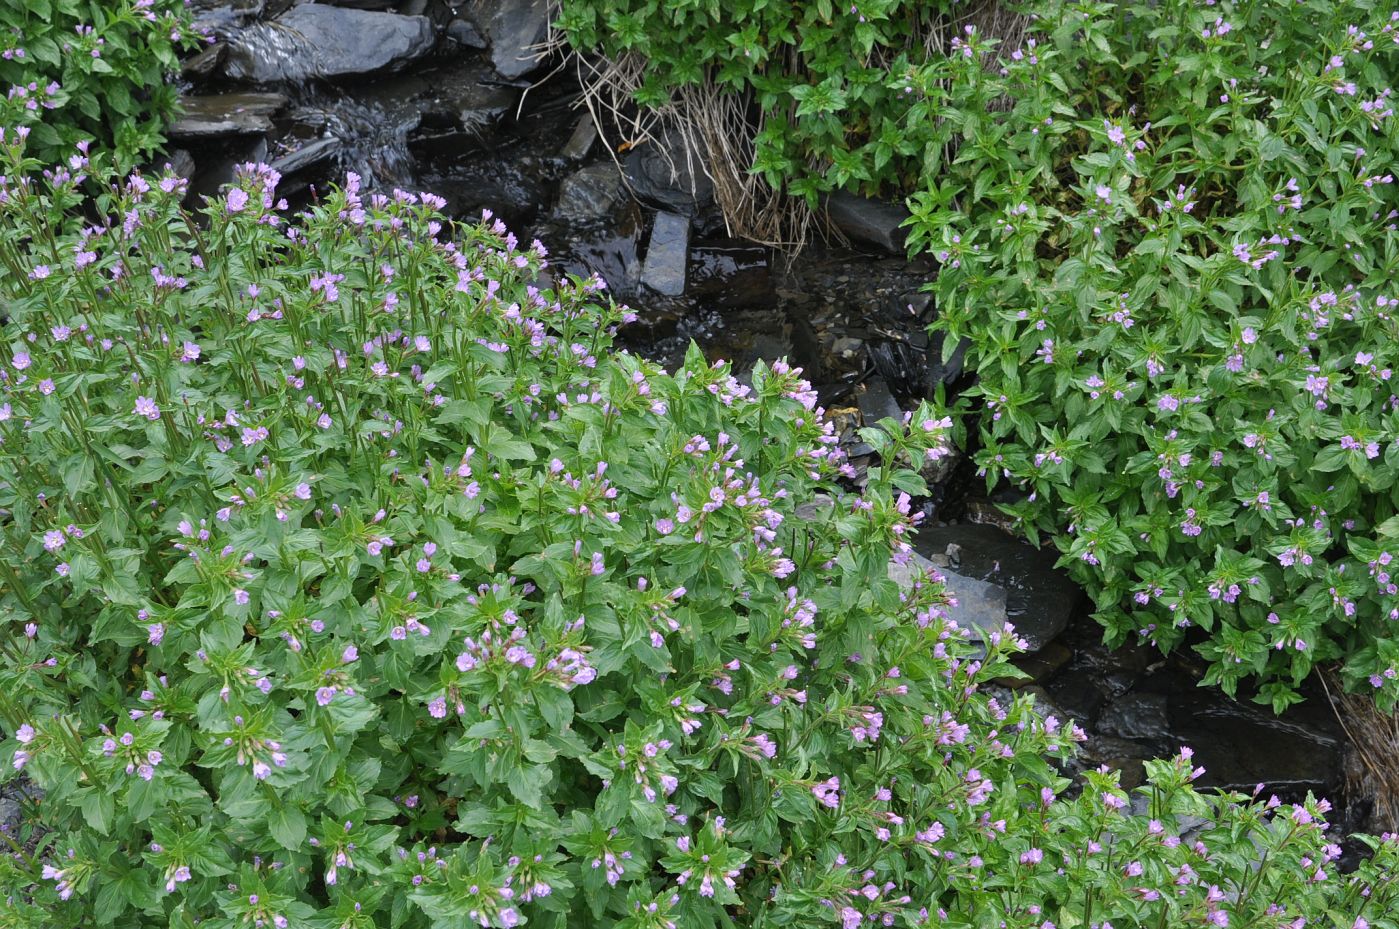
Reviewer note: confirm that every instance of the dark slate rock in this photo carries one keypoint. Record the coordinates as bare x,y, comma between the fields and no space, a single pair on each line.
219,115
203,64
1039,597
876,402
668,255
464,32
1242,744
317,41
515,29
581,141
590,193
870,222
944,371
664,173
311,155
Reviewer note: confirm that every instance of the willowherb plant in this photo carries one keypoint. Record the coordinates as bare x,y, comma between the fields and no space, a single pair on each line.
349,580
1173,250
78,69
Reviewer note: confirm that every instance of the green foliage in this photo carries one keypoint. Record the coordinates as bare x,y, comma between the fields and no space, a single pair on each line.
1173,249
76,69
350,581
818,73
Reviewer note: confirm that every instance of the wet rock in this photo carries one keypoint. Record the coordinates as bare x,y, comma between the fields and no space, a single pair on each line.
869,222
1078,697
847,347
318,41
582,139
594,231
1040,598
818,507
460,96
204,63
311,155
935,471
464,32
224,16
1241,745
1136,716
765,348
219,171
665,173
372,135
515,29
216,115
590,193
13,796
667,257
876,402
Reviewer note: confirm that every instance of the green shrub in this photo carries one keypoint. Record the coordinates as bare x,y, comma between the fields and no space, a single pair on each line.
351,581
817,72
76,69
1169,233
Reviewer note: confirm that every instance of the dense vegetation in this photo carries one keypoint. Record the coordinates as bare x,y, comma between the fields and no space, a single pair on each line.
91,70
818,74
1173,249
352,581
1167,230
349,579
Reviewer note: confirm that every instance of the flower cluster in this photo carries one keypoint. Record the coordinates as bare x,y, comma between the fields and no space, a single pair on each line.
1202,417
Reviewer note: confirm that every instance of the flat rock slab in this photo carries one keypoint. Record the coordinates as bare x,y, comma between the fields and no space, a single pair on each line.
215,115
1039,597
313,40
668,255
312,154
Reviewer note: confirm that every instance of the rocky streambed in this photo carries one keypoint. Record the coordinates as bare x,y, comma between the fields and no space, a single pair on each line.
457,99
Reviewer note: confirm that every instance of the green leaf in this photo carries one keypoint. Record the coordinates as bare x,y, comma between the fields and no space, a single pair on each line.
287,825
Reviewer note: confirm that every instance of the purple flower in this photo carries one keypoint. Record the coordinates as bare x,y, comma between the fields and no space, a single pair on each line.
828,792
237,199
324,695
146,407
